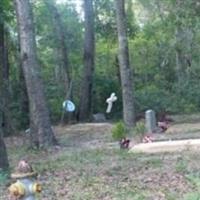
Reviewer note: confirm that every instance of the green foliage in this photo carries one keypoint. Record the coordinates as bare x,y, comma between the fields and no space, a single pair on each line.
139,129
3,177
194,179
119,131
105,19
153,46
47,45
181,166
192,196
152,97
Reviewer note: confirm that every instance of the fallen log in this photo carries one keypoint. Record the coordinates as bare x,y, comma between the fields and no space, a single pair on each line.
167,146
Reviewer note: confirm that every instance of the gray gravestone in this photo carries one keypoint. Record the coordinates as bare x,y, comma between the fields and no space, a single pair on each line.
150,121
99,117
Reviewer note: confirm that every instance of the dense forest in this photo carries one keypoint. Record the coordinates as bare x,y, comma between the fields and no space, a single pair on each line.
73,51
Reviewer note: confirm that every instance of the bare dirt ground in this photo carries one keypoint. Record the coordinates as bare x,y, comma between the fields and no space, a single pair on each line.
89,165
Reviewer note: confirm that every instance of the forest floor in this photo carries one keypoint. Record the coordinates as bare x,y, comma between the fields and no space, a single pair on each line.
89,165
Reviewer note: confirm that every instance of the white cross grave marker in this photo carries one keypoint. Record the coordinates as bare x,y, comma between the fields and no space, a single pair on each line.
110,101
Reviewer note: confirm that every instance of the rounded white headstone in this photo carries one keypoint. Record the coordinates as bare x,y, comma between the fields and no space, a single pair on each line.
69,106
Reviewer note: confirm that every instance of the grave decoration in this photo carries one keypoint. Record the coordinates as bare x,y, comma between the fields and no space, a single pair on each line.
69,106
110,101
124,143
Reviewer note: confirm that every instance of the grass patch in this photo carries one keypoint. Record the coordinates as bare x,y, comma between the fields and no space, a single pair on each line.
3,177
192,196
194,179
181,166
76,173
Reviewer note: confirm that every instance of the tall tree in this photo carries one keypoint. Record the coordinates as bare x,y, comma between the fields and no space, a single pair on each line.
62,71
7,119
5,103
23,97
183,37
89,53
41,131
125,70
3,153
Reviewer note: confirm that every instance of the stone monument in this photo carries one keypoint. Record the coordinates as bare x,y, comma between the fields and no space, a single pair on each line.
150,121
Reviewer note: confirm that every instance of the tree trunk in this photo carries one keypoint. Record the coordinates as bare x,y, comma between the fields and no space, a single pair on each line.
8,128
125,70
184,37
24,104
41,129
3,155
85,109
179,66
23,95
62,71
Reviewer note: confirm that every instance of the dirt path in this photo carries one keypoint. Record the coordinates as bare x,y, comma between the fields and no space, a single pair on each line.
87,136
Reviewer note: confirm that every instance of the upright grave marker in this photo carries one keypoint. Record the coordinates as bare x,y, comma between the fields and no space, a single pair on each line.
150,121
110,101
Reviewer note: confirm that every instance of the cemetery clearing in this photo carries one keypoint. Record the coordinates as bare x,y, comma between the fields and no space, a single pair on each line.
89,165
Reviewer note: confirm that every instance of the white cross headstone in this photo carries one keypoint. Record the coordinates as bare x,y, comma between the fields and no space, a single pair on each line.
150,121
110,101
